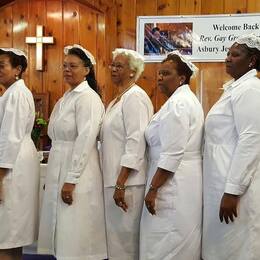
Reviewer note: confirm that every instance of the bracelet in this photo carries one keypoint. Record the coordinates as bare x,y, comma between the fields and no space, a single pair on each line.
152,188
119,187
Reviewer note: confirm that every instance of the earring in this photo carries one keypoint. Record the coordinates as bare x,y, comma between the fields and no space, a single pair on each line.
250,65
181,82
16,77
131,75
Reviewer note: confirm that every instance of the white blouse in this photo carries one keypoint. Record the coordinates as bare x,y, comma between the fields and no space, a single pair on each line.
122,137
16,118
176,130
77,118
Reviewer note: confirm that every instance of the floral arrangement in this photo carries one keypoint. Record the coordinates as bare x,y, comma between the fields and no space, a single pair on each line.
39,124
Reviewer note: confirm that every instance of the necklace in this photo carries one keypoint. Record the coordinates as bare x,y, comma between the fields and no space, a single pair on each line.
118,97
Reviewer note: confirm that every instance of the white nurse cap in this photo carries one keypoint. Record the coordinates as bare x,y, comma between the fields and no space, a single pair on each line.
250,40
192,67
15,51
88,53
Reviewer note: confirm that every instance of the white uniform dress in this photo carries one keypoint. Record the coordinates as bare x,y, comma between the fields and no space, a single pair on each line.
123,144
75,232
174,136
19,210
231,165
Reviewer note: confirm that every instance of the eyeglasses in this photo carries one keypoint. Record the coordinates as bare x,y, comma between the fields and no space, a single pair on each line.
3,65
116,66
71,66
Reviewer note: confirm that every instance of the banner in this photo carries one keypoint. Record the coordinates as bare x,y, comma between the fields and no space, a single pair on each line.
204,38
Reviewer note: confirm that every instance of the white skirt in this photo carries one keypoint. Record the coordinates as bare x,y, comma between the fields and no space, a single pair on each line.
123,227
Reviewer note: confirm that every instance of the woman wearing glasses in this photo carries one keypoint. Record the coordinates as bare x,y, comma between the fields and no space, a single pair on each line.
123,150
72,222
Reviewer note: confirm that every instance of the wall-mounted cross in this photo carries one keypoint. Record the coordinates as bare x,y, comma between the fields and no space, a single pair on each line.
39,40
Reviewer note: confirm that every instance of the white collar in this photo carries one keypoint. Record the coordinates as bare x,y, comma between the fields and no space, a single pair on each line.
233,83
180,89
81,87
16,83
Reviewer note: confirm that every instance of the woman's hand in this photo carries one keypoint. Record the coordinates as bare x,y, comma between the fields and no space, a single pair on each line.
119,197
159,179
119,194
66,193
150,200
228,207
1,192
2,175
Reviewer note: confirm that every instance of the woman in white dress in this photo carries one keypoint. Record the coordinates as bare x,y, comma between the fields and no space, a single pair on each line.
231,220
19,164
171,221
123,152
72,224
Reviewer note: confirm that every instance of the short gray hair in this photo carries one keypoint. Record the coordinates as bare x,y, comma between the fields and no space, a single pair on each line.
136,60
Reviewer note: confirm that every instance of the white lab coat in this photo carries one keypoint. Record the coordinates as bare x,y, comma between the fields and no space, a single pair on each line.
18,211
231,165
174,136
123,144
75,232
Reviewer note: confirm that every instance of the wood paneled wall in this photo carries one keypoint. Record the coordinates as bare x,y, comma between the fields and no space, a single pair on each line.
212,75
69,22
103,25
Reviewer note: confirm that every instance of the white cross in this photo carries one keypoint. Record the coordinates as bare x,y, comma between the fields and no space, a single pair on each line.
39,40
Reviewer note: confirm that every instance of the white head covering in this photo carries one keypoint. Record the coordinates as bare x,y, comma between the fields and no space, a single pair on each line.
15,51
88,54
250,40
192,67
136,60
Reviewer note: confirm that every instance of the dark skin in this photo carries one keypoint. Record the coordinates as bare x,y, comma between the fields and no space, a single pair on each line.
8,75
238,63
228,208
168,81
159,179
74,73
3,172
123,77
119,195
11,254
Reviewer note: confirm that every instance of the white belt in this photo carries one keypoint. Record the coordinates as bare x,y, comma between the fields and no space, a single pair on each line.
154,155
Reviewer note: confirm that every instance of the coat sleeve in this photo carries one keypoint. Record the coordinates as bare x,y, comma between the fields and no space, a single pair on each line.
174,132
89,113
136,116
13,128
246,156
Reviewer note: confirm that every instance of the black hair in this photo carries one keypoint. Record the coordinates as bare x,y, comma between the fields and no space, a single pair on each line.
254,52
155,29
182,68
16,60
90,78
